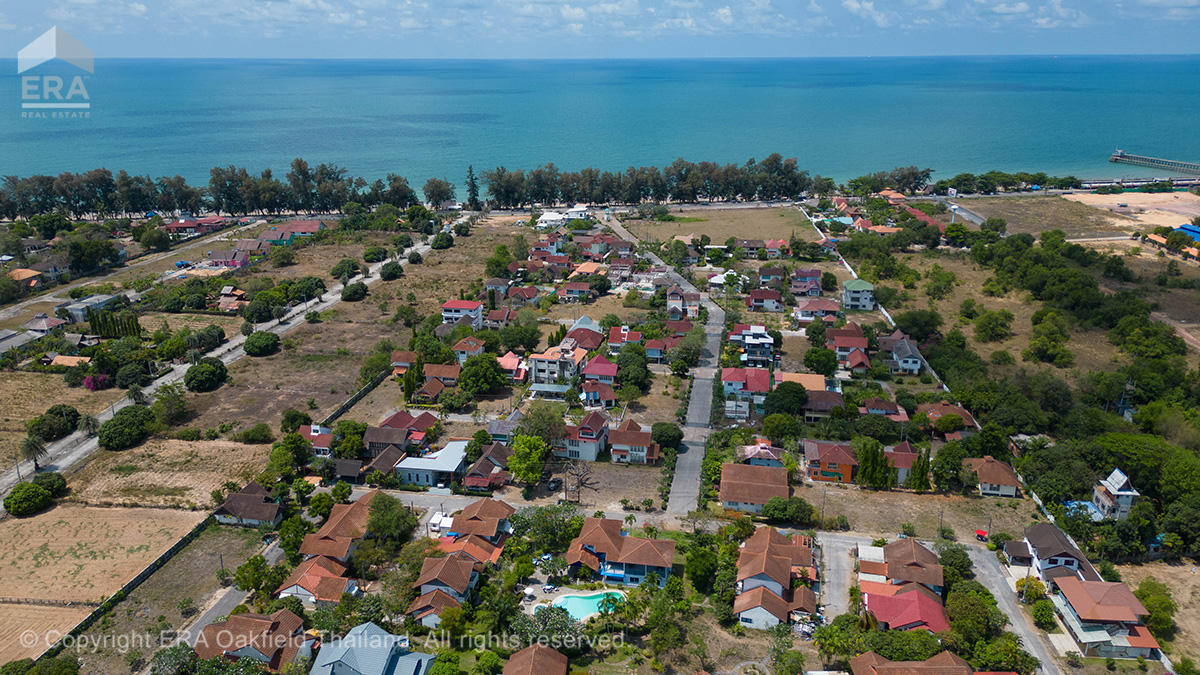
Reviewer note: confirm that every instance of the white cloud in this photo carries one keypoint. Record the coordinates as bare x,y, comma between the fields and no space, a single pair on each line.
866,9
1014,8
573,13
137,8
724,15
5,24
1055,14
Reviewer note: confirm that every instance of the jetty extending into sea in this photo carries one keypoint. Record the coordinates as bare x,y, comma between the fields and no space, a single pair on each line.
1154,162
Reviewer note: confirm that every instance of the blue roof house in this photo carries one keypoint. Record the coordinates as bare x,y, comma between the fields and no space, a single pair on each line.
370,650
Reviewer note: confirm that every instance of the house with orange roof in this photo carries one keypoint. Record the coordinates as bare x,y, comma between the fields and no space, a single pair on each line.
603,548
537,659
26,278
944,663
562,361
467,347
996,478
342,532
829,461
513,367
745,487
271,640
630,444
585,441
1105,619
318,582
768,564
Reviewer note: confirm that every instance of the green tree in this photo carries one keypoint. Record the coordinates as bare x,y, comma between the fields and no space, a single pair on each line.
482,374
127,428
874,468
33,449
282,256
389,520
788,398
320,506
1043,614
779,427
27,499
291,536
487,663
544,419
666,434
261,343
528,458
341,492
1155,596
821,361
293,419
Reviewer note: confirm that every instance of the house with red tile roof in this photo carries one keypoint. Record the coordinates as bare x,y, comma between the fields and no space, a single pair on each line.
901,456
487,518
659,351
537,659
631,444
472,310
519,296
936,411
1105,619
342,532
995,478
747,384
829,461
769,564
574,291
745,487
514,367
585,441
595,393
273,640
250,507
912,608
499,318
619,336
878,406
601,369
764,301
776,248
944,663
604,549
318,582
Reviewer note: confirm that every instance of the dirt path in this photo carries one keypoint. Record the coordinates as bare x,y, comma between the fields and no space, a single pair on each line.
1180,329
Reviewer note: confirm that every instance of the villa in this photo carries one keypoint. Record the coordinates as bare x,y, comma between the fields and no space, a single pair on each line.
605,550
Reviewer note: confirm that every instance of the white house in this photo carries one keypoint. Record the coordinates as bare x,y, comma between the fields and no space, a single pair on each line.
436,468
453,310
858,295
1114,496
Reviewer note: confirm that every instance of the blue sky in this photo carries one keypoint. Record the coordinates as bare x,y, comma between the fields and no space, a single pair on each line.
605,28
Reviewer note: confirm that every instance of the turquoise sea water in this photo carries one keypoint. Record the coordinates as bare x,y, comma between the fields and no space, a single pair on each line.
840,117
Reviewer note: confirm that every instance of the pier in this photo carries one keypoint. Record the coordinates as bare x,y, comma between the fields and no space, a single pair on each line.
1156,163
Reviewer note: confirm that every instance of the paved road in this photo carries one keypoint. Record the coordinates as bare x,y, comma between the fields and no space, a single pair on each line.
989,573
838,570
54,296
69,451
685,486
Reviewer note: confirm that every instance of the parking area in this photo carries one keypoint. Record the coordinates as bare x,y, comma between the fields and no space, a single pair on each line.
838,570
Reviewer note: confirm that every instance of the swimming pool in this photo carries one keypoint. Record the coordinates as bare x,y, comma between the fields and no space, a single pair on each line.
580,607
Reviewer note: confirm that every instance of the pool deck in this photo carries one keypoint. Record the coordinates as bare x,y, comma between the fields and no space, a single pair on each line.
544,599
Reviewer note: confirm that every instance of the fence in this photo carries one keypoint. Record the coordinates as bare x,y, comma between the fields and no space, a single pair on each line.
130,586
358,395
47,603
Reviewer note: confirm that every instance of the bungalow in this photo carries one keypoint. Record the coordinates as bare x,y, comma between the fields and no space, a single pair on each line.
499,318
255,248
342,532
776,248
995,478
537,659
810,381
562,362
878,406
519,296
453,310
402,361
771,276
829,461
486,518
747,384
821,404
745,487
447,374
619,336
761,453
438,468
911,608
750,246
678,328
630,444
659,350
182,228
585,441
605,550
42,324
513,367
229,258
490,471
367,649
764,301
575,291
427,608
467,347
273,640
551,219
520,269
1105,619
601,369
944,663
585,338
817,309
858,295
594,393
249,507
318,582
378,439
231,299
301,228
26,278
936,411
416,425
901,456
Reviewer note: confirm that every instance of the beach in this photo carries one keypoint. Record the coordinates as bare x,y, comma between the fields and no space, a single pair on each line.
1154,209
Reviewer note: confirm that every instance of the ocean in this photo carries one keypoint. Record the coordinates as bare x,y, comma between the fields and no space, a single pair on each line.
841,117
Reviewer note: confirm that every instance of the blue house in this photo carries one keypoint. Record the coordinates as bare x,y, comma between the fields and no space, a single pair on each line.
370,650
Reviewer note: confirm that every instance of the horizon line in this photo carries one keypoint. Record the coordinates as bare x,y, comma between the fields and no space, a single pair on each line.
635,58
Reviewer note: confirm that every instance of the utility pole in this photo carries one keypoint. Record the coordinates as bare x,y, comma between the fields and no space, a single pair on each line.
824,492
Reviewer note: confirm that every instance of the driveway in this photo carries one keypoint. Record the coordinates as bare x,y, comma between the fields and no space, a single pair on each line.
989,573
838,570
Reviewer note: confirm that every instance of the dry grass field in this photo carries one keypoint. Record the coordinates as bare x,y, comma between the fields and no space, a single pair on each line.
1184,581
611,484
721,224
24,396
152,321
14,323
1034,215
1150,209
165,472
190,574
882,513
18,620
1092,349
596,310
78,553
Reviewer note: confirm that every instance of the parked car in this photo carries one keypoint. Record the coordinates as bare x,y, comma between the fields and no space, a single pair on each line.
549,588
555,484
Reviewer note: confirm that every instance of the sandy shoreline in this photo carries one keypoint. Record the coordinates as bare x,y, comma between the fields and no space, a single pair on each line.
1161,209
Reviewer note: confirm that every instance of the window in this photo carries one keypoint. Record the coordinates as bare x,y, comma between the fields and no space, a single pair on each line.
573,454
745,619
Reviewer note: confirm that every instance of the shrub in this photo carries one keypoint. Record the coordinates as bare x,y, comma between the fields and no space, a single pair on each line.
53,482
206,375
346,267
97,382
173,304
414,257
261,343
313,317
58,421
127,428
1002,357
1043,614
375,254
27,499
354,292
258,434
131,374
391,270
441,241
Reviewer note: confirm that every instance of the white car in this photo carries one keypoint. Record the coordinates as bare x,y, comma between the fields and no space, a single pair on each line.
435,522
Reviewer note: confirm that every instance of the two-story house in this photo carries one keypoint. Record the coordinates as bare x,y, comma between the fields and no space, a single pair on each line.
756,344
575,291
630,444
519,296
771,277
1105,619
829,461
602,370
761,300
467,347
769,565
1054,556
681,304
453,310
776,248
1114,496
604,549
454,577
585,441
563,362
619,336
816,309
904,358
747,384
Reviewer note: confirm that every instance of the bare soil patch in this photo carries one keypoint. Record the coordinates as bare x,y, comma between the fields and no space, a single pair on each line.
190,574
163,472
721,224
596,310
612,483
152,321
77,553
17,620
1036,214
1151,209
882,513
25,395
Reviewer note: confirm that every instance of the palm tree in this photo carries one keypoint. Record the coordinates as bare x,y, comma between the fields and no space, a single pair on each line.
34,448
88,424
135,395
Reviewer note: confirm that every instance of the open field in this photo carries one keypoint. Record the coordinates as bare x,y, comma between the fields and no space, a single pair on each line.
1151,209
1183,580
721,224
25,395
16,620
1034,215
152,321
190,574
1092,349
28,313
596,310
882,513
164,472
612,483
77,553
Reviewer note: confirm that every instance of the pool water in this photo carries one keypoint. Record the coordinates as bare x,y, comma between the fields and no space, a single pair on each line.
580,607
